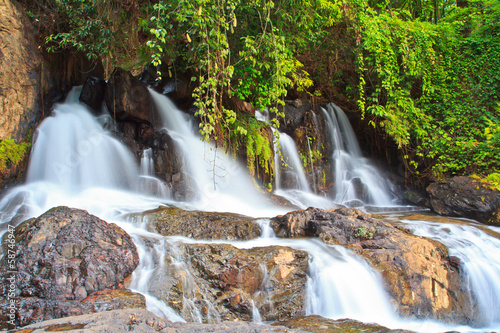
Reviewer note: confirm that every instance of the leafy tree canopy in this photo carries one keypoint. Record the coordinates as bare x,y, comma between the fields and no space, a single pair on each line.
425,72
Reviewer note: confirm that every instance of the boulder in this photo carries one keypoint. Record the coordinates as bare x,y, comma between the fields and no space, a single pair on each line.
138,320
93,94
217,282
466,197
66,262
128,99
172,221
294,114
318,324
418,277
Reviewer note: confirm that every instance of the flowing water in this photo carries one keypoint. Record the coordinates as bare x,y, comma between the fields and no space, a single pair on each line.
76,162
357,182
479,254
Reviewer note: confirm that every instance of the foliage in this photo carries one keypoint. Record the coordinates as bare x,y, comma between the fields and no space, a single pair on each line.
428,72
12,153
363,233
256,137
434,87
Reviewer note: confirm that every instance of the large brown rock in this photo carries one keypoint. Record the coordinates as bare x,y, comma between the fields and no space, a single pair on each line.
172,221
214,282
466,197
128,99
418,275
66,262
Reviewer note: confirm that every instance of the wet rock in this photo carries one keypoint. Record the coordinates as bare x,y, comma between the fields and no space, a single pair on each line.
418,276
172,221
294,113
65,262
128,99
214,282
466,197
318,324
93,94
143,321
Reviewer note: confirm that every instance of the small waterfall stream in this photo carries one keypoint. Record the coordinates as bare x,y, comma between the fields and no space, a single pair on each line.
479,254
357,183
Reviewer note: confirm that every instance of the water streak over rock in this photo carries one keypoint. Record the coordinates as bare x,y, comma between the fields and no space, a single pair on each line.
216,282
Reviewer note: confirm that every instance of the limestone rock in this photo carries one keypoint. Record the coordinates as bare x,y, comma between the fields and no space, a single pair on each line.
466,197
65,262
418,276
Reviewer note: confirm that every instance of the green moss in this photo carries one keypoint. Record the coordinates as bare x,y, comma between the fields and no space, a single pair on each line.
12,153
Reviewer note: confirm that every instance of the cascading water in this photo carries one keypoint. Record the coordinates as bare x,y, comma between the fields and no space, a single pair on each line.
217,179
357,183
291,184
75,162
149,184
479,254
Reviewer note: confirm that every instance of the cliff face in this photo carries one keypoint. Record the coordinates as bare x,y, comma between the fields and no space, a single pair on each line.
20,74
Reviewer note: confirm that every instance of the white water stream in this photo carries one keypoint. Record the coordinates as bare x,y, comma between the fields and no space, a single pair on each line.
75,162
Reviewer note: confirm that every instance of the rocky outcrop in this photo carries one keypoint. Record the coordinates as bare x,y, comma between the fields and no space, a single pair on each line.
19,74
318,324
137,320
172,221
214,282
66,262
466,197
128,99
93,94
419,278
294,115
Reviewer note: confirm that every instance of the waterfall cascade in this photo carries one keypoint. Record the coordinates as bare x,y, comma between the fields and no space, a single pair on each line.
75,162
356,182
479,254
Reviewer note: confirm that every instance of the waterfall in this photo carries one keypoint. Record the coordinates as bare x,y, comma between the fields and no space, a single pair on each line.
220,182
357,183
77,163
292,184
479,254
147,164
293,166
148,182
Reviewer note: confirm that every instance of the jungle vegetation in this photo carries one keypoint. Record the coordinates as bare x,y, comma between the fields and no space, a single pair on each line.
426,73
